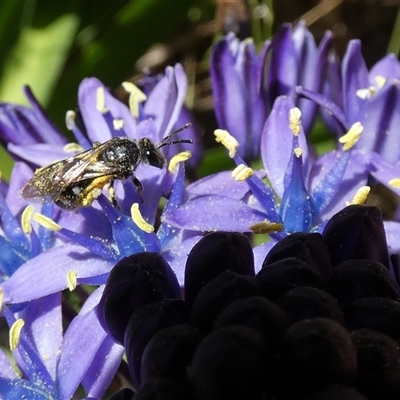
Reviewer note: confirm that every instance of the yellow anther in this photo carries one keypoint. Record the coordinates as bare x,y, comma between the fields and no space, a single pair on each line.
298,152
136,96
395,182
266,227
351,137
15,333
139,220
101,100
361,196
227,140
295,121
366,93
180,157
71,280
118,124
380,81
70,119
1,299
242,172
46,222
26,219
73,148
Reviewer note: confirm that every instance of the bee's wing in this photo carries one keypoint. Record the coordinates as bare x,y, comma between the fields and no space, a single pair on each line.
55,178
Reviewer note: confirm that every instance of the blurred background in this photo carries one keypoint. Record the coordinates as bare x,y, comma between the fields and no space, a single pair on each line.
52,45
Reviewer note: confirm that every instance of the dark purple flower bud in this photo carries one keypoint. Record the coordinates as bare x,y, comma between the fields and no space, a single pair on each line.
169,352
308,302
258,313
376,313
357,232
378,359
356,279
123,394
134,281
309,247
215,253
219,294
144,323
336,391
286,274
314,353
162,389
230,363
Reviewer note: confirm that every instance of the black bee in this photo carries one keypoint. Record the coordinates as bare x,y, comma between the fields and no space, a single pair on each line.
78,180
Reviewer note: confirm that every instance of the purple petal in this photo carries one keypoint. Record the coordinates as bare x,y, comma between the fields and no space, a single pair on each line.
355,77
103,368
384,171
165,101
387,67
47,273
228,91
211,213
219,184
39,154
48,132
276,143
81,343
43,325
355,176
282,73
381,121
392,230
7,370
95,123
17,389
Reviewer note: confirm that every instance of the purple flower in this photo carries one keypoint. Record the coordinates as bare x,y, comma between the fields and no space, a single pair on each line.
245,85
54,364
303,191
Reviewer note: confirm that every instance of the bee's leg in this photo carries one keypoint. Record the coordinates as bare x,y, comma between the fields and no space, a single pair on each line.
139,187
113,196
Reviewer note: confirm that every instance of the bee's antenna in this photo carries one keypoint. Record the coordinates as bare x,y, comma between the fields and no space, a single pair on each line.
165,142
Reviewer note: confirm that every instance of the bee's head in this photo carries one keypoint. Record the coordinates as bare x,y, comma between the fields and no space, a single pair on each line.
150,154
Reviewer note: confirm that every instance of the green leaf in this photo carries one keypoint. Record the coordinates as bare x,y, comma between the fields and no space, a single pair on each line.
38,59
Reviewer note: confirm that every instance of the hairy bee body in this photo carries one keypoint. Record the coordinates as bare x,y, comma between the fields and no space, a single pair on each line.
78,180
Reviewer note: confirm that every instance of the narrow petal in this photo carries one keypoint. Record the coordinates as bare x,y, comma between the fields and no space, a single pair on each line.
81,343
96,126
355,77
103,368
165,102
210,213
47,273
43,325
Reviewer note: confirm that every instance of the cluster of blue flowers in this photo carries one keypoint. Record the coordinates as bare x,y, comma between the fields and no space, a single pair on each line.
266,105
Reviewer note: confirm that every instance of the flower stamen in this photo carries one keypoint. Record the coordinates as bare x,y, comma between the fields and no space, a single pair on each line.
361,196
71,280
46,222
395,182
136,96
227,140
175,160
295,121
266,227
73,148
351,137
242,172
101,100
15,333
26,219
139,220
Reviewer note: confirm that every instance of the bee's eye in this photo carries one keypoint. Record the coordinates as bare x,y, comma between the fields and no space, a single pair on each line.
150,154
